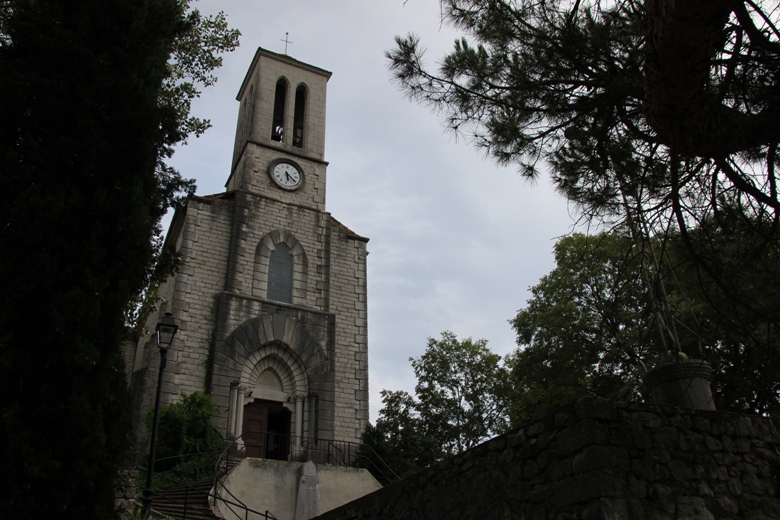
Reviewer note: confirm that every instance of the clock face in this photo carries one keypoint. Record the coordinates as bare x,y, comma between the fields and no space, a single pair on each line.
287,175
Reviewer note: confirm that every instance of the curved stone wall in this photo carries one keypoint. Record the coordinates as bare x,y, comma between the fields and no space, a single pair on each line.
597,459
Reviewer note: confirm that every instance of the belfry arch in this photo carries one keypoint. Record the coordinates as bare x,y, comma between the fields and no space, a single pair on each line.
280,100
300,116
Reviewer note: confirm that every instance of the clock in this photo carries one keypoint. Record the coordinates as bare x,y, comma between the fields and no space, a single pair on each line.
286,174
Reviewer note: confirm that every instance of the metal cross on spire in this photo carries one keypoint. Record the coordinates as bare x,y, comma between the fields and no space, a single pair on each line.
286,41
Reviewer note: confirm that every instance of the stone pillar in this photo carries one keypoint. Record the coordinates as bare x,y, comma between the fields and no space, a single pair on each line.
241,398
683,383
298,419
307,504
230,433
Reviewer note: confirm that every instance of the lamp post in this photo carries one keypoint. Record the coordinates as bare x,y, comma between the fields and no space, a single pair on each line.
165,330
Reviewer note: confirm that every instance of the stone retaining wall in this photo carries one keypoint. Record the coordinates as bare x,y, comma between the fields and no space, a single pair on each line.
125,491
597,459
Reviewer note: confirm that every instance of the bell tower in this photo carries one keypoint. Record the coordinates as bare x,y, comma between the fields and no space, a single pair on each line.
271,298
281,121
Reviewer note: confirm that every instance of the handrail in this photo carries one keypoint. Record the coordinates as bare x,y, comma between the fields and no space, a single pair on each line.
321,451
185,455
267,515
389,479
218,482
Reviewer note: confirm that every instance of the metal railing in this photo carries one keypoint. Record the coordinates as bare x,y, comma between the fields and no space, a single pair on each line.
193,495
274,447
291,448
163,467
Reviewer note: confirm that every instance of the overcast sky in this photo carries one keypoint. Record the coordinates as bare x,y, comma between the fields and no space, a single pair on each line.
455,241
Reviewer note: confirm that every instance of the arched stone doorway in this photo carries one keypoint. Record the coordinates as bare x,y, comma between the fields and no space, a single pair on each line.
270,402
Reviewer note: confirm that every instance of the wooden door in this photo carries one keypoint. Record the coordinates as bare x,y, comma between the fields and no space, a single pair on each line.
255,428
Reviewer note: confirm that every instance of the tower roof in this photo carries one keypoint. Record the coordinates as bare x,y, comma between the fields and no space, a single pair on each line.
284,58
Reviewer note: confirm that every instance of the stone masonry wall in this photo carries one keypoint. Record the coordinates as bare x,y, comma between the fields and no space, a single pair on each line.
190,296
348,303
125,493
597,459
205,251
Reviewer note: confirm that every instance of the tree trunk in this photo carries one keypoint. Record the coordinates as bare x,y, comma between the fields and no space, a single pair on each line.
683,38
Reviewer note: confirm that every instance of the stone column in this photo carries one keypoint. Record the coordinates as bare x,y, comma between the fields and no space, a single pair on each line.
241,397
298,419
230,433
684,383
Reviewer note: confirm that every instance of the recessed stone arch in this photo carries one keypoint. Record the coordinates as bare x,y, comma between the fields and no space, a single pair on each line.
265,248
280,350
283,362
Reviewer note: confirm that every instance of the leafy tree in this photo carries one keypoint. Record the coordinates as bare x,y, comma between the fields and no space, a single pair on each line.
187,440
461,389
399,437
586,329
460,401
661,113
86,124
591,327
736,339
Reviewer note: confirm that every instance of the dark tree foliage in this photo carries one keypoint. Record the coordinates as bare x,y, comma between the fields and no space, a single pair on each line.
660,113
460,400
188,444
738,341
399,438
85,124
586,330
592,328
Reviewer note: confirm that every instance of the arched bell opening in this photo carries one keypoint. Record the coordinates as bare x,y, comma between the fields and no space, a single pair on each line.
299,117
280,100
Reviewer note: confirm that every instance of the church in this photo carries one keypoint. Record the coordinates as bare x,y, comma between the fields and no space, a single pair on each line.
270,298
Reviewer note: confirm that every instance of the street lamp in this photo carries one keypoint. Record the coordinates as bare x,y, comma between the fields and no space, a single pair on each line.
165,331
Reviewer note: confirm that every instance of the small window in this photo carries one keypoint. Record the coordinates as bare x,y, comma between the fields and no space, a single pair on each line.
280,274
277,125
300,116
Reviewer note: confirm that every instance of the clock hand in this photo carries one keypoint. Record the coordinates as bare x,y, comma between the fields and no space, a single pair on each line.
288,176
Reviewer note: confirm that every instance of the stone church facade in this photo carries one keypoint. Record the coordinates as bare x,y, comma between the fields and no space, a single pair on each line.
271,297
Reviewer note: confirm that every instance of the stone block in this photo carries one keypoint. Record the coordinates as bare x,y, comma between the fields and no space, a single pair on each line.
597,457
593,485
666,437
594,408
607,509
680,471
534,429
693,508
564,417
584,433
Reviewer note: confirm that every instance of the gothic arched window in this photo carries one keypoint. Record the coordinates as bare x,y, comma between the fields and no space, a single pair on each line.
299,118
280,274
280,99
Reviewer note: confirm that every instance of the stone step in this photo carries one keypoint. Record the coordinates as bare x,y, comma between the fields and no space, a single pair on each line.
171,502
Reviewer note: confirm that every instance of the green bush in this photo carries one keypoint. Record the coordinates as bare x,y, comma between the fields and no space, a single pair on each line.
187,443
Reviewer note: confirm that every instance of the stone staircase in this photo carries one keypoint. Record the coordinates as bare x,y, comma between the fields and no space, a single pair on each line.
189,502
